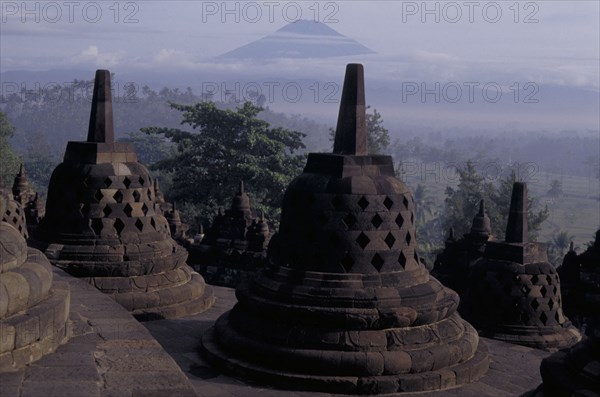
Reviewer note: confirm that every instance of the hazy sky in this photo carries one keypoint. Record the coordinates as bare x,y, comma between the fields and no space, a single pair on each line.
544,41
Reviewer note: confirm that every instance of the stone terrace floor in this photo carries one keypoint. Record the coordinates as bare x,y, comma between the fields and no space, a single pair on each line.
514,369
113,355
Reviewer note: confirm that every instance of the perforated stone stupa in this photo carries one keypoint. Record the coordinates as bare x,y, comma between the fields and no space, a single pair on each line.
452,266
103,224
235,246
514,293
30,202
33,309
347,306
576,371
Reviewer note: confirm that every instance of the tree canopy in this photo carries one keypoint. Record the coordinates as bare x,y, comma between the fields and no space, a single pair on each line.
226,147
9,161
462,203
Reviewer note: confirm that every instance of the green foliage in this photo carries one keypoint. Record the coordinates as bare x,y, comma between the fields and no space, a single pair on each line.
378,137
226,147
9,162
462,203
150,149
558,247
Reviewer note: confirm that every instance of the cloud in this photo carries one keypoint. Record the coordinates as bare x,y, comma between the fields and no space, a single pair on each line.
92,56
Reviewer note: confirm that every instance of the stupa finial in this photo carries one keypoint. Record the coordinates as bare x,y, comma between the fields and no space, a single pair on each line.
101,127
241,188
351,131
516,229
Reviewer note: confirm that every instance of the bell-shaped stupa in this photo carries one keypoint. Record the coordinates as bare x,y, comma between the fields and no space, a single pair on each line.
102,224
453,264
347,306
235,246
34,309
514,293
576,371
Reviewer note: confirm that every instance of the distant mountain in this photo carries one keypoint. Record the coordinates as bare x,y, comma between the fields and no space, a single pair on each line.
300,39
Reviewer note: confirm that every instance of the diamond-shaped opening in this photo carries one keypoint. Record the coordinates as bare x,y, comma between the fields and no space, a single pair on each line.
544,318
141,180
405,202
137,196
99,195
376,221
144,208
416,256
390,240
543,290
534,279
337,202
107,182
347,262
14,220
399,220
525,290
549,279
126,182
412,217
534,304
349,220
554,289
377,262
551,304
388,202
139,224
118,196
149,194
18,211
128,210
402,259
107,211
152,222
96,225
363,240
557,317
85,209
363,203
408,238
119,225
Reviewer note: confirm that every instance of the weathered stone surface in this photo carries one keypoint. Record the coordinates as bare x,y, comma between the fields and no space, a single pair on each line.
453,265
346,305
33,309
235,246
576,371
513,292
102,224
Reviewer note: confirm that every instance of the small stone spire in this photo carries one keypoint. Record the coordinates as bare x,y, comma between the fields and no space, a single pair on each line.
101,127
516,229
241,188
481,222
351,131
571,247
